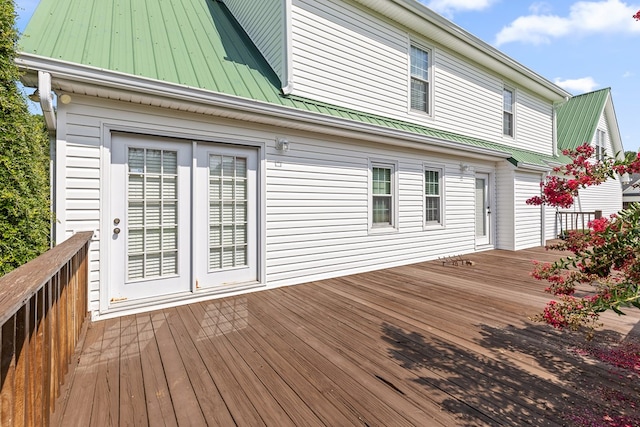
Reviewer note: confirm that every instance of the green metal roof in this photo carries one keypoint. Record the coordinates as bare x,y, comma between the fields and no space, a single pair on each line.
196,43
578,118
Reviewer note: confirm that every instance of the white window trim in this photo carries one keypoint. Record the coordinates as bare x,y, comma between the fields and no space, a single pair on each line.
430,82
378,229
514,113
440,168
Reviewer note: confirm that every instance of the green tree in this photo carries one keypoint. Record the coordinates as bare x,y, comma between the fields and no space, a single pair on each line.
24,176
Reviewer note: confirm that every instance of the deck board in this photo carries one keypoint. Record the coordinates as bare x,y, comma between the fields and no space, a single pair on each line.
420,345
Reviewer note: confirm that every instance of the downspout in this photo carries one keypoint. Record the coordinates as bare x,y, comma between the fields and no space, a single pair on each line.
46,103
287,48
46,100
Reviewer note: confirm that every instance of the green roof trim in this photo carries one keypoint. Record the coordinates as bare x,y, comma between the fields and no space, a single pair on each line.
212,53
578,118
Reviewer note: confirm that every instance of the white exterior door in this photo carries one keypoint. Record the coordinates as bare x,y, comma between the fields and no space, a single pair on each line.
225,225
149,218
482,210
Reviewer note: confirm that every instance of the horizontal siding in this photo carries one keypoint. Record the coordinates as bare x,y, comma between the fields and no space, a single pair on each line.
505,227
263,21
346,56
528,218
534,123
317,197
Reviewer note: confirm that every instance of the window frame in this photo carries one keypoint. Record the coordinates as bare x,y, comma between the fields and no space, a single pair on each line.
600,144
428,82
512,113
431,167
392,226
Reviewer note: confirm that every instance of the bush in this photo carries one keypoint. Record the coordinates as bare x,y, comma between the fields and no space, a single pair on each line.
24,161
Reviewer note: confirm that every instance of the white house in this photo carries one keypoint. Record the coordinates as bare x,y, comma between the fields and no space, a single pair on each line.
219,147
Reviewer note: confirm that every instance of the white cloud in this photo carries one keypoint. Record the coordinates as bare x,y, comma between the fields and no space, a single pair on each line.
577,86
628,74
585,17
448,7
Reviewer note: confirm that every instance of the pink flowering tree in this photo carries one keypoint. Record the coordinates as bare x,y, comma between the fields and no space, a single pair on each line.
603,272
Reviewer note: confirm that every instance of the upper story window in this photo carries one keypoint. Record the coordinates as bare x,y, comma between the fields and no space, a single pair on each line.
433,195
383,195
420,86
508,111
601,144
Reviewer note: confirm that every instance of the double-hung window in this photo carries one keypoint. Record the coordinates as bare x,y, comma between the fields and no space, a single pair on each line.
382,195
508,111
601,144
432,196
420,81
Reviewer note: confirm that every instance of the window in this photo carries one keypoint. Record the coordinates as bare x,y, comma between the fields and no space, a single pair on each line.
601,144
433,196
507,106
419,79
382,195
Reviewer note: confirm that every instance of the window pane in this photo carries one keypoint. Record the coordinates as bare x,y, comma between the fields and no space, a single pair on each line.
432,183
418,95
432,210
508,124
508,100
381,181
382,210
419,63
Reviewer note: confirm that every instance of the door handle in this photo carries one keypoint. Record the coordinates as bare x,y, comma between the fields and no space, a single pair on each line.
116,230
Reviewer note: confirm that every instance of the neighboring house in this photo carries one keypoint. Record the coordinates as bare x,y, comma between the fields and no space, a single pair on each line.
590,118
631,190
221,147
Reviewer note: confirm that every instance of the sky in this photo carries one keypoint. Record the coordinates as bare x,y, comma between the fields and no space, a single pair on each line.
580,45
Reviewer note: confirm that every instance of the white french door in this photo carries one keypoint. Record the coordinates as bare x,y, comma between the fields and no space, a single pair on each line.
182,216
482,210
225,226
149,222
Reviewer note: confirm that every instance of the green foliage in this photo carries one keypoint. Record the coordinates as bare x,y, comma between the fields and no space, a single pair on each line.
24,161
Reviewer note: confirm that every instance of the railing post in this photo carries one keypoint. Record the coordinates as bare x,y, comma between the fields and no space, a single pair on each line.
598,214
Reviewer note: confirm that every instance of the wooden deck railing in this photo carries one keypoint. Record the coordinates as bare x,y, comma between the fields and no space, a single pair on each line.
43,305
566,221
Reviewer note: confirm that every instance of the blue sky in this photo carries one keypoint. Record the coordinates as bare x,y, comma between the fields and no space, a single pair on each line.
580,45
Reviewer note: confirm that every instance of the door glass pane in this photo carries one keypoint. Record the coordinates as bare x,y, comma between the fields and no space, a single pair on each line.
481,225
227,212
152,214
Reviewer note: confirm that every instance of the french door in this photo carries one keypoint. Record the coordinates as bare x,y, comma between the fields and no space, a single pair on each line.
182,216
225,223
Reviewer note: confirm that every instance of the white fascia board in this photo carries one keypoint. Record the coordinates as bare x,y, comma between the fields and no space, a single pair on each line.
74,77
422,20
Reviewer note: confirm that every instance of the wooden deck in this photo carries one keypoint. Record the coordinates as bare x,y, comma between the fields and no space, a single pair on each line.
419,345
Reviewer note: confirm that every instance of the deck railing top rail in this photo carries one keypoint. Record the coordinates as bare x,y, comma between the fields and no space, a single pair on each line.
21,284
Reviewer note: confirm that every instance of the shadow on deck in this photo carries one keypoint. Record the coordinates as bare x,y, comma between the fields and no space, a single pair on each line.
423,344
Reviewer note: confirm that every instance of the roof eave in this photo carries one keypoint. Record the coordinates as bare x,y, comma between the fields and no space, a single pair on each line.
74,78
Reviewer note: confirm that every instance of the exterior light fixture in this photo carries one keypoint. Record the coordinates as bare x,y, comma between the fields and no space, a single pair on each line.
282,144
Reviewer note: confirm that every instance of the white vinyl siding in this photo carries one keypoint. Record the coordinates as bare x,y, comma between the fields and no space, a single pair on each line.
264,22
528,218
344,55
316,205
505,207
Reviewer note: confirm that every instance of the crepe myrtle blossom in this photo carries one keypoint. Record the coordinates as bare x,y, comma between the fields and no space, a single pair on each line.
605,257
